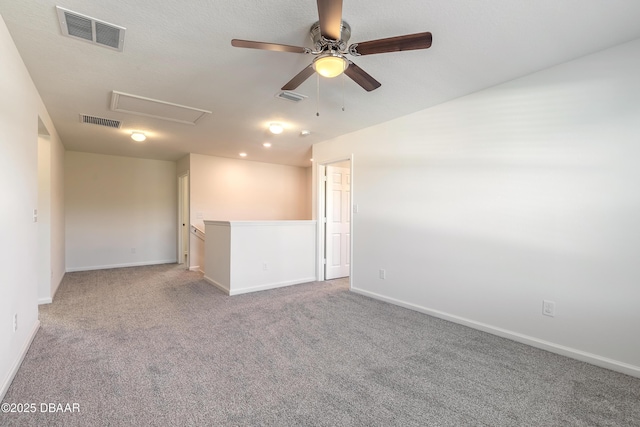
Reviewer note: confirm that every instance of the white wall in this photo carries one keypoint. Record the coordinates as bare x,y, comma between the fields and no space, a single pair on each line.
251,256
56,209
44,219
120,211
51,250
230,189
20,107
482,207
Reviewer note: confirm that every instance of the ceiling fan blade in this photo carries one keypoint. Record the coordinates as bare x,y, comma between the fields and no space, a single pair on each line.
330,14
299,78
361,77
392,44
269,46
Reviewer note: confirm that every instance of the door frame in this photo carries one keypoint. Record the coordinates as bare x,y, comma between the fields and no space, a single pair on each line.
184,231
321,173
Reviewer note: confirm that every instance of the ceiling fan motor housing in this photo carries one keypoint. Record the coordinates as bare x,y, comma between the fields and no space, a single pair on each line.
321,43
330,36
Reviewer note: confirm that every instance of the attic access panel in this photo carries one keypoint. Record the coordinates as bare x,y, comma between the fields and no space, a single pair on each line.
141,106
79,26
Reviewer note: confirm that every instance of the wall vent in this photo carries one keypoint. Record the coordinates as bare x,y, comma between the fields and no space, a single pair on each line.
291,96
92,120
78,26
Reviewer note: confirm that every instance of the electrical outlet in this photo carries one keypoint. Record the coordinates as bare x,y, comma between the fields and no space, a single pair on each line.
35,215
383,274
549,308
15,322
133,250
265,267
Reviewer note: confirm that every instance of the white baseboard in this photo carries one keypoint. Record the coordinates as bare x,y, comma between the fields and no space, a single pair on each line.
260,287
14,369
217,285
276,285
130,264
196,268
573,353
49,300
55,289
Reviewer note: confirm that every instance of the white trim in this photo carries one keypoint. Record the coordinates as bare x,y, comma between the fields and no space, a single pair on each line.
320,207
14,369
183,220
130,264
259,223
42,301
196,268
573,353
260,287
217,285
57,287
320,200
273,286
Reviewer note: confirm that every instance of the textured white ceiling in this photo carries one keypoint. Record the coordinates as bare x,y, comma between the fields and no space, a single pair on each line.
180,52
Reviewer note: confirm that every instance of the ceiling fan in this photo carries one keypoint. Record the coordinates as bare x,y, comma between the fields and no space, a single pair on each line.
330,36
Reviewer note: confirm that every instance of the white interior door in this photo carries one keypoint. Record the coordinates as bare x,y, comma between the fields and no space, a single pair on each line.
183,220
337,227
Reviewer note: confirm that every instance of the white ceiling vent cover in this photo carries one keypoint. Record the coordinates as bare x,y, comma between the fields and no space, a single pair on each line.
93,120
133,104
291,96
76,25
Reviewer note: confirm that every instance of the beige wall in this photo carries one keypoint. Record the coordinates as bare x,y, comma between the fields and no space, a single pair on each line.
231,189
120,211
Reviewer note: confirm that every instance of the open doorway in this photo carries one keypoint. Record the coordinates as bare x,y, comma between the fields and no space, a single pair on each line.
335,211
183,220
43,215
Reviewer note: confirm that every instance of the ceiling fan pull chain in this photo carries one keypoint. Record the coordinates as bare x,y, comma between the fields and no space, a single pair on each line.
342,83
317,95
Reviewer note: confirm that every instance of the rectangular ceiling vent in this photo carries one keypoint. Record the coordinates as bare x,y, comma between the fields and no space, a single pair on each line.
291,96
134,104
78,26
92,120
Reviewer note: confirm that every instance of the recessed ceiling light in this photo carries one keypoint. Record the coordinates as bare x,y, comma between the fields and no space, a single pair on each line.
243,154
276,128
305,132
266,144
138,136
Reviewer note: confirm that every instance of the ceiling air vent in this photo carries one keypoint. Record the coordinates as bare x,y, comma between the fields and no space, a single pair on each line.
92,120
76,25
291,96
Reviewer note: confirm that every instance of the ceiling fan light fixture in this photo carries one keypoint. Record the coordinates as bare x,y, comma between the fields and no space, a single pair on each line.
330,65
276,128
138,136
